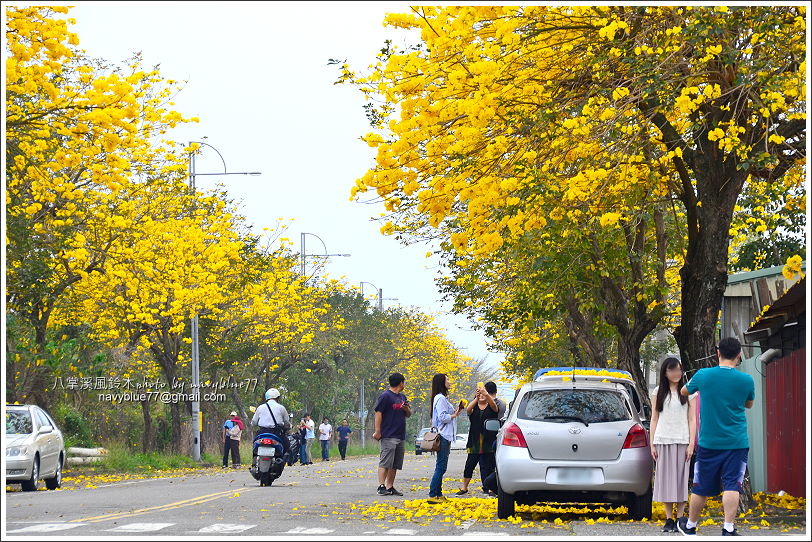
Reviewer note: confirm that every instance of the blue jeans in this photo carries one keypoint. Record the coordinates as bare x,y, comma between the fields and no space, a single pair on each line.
325,450
436,486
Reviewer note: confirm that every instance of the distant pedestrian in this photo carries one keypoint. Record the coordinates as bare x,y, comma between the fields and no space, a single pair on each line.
481,446
310,436
344,433
325,436
444,418
232,431
673,438
721,457
391,410
302,442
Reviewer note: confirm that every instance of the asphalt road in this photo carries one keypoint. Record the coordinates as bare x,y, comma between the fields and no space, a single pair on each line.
337,498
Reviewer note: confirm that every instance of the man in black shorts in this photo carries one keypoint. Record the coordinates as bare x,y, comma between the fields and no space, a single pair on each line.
391,411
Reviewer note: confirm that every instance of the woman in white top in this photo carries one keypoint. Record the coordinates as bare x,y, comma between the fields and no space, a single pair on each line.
444,418
673,437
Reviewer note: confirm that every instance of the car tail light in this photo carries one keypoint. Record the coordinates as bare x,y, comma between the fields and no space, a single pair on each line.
512,436
636,438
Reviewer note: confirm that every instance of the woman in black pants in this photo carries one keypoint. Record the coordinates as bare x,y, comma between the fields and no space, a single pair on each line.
481,443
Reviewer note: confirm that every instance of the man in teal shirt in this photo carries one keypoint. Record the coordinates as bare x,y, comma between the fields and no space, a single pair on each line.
721,456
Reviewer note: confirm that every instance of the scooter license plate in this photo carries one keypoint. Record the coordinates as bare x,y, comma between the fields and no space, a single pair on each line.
266,450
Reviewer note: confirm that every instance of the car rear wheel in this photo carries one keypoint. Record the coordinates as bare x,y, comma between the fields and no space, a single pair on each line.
640,506
505,503
31,483
56,481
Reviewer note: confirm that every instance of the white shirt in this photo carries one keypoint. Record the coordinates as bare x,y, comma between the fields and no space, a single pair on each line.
441,418
325,430
262,417
672,422
310,425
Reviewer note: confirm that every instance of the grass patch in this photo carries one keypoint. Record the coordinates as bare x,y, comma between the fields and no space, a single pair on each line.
120,459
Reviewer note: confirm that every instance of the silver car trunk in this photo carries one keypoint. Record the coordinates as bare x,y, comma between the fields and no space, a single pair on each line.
574,424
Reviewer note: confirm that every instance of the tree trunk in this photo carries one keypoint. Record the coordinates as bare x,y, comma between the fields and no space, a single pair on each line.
580,330
236,398
148,437
166,356
628,359
704,274
35,389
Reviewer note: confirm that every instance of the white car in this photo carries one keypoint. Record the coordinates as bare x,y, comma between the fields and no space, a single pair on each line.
461,442
35,449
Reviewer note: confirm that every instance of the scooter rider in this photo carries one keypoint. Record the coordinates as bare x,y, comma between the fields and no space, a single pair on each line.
272,417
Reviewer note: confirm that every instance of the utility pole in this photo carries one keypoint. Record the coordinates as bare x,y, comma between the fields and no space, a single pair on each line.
362,416
197,420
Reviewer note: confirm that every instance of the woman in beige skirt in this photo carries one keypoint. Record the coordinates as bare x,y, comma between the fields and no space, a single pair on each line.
673,437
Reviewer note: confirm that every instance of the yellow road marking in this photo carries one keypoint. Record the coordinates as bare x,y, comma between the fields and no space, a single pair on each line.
169,506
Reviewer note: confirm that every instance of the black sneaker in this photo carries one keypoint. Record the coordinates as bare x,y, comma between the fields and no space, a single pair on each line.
683,528
393,491
734,532
670,526
382,490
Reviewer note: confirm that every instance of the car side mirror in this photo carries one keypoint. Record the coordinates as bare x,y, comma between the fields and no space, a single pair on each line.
492,425
45,429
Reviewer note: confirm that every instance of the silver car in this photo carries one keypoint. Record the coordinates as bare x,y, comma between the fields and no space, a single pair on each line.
575,438
35,448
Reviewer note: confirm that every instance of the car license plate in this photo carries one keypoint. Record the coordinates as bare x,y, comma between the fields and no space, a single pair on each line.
266,450
574,475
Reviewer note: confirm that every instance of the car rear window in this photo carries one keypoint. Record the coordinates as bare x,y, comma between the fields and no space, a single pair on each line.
18,422
592,406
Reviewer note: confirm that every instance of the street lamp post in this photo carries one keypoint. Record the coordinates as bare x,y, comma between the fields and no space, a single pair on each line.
362,412
378,293
197,421
304,255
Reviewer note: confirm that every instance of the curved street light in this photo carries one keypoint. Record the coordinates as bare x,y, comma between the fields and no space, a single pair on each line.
304,255
377,294
193,173
197,420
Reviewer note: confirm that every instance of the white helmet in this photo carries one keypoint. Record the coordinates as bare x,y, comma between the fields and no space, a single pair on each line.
272,393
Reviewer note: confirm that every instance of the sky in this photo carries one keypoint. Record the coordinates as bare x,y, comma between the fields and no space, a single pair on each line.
257,77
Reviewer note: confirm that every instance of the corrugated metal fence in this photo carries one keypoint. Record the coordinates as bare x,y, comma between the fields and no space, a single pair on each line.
785,397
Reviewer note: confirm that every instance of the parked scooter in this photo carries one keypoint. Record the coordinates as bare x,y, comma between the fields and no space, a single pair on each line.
294,444
269,458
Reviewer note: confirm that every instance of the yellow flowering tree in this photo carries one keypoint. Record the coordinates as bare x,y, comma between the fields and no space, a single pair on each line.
79,133
502,119
272,320
174,261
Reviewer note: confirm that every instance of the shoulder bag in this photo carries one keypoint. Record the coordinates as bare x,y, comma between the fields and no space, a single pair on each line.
431,441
